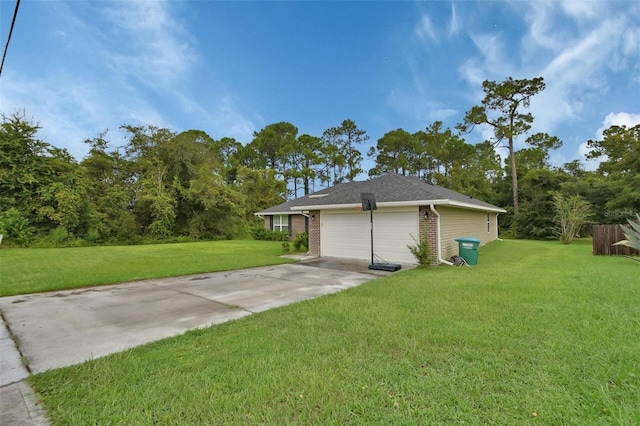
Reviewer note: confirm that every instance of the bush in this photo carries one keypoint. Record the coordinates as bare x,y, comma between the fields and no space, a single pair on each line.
259,233
15,227
302,240
421,251
572,214
286,248
93,236
278,235
58,237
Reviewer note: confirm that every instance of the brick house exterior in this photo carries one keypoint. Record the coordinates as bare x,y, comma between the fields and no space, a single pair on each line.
314,233
428,227
408,208
296,223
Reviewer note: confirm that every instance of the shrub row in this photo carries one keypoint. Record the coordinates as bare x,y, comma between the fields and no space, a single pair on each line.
259,233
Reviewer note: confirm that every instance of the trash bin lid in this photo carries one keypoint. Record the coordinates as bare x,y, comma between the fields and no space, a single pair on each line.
468,240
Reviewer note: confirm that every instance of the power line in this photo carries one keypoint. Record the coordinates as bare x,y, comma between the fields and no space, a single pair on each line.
6,47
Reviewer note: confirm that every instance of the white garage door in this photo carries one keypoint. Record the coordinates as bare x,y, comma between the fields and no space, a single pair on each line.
347,234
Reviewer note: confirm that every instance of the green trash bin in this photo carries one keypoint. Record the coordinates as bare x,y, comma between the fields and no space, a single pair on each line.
468,249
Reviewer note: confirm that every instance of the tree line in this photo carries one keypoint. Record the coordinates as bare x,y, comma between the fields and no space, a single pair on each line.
162,185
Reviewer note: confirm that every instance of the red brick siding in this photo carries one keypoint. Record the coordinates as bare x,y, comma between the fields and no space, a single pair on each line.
429,225
314,233
297,225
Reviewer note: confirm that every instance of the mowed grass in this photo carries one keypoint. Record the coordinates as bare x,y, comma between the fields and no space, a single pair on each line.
25,271
537,333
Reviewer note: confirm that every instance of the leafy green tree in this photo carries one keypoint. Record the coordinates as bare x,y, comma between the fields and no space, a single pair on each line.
43,183
154,205
22,164
62,198
440,153
159,203
536,217
478,172
342,157
306,162
272,147
181,185
431,149
455,157
260,189
574,168
229,153
444,158
620,151
441,157
500,110
396,152
217,208
15,227
110,191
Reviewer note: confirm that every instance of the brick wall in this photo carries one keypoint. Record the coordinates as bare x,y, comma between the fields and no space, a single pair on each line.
297,225
314,233
428,223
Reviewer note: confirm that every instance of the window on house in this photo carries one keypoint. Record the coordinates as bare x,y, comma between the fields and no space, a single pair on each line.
488,222
281,223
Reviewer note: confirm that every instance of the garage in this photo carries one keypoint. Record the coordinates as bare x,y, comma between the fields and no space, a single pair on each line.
347,233
406,206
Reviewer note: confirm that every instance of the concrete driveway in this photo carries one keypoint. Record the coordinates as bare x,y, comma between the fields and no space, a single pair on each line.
68,327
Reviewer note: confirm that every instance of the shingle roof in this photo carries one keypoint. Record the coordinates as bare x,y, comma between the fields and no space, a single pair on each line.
389,188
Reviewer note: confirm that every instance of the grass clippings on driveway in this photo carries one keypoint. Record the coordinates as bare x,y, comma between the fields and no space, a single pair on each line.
537,333
33,270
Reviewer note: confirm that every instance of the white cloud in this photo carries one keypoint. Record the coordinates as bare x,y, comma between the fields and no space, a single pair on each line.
618,119
135,70
587,51
439,112
582,10
492,63
496,56
631,44
543,30
454,23
155,48
425,29
575,47
235,123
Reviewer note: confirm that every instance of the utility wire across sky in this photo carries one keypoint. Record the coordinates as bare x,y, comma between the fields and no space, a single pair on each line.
6,47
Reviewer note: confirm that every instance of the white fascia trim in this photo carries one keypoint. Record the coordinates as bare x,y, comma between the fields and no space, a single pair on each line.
276,213
444,202
327,207
464,205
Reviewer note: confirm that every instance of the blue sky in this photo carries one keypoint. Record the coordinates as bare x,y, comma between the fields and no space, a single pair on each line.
231,68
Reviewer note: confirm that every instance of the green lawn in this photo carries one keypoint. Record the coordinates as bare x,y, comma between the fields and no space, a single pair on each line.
537,333
25,271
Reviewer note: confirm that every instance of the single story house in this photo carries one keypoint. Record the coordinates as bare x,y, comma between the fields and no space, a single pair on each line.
407,208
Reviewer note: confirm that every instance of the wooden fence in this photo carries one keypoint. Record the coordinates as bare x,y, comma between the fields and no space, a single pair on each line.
604,236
